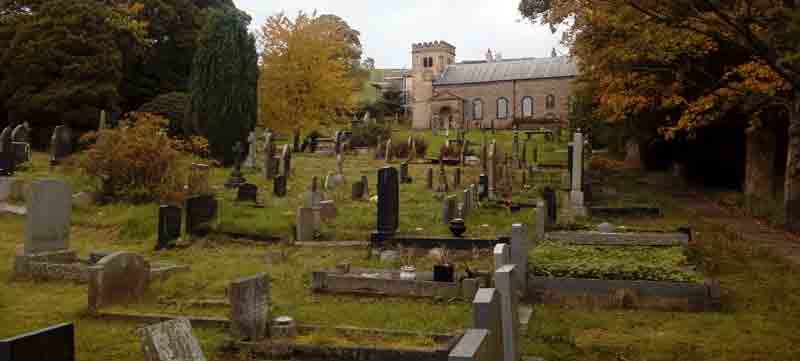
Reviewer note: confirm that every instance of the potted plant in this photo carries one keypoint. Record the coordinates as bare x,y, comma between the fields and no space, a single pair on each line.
407,271
443,270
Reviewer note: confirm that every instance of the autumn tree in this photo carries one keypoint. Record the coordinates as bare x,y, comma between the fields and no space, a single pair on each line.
305,76
224,78
690,62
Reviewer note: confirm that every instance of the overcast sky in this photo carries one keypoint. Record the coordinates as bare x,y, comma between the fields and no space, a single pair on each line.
388,28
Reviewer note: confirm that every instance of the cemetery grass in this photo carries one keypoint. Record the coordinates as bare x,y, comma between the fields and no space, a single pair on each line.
760,296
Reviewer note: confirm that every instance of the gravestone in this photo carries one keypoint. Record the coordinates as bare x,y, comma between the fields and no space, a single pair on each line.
486,315
198,179
389,154
201,210
121,278
429,178
549,195
56,343
388,201
249,298
169,226
442,186
22,152
171,341
49,211
357,192
236,178
492,165
483,187
365,182
327,210
404,177
6,139
314,196
247,192
8,164
504,279
457,177
60,144
473,346
252,151
467,201
378,147
502,255
449,209
305,224
279,186
519,252
541,220
286,161
269,156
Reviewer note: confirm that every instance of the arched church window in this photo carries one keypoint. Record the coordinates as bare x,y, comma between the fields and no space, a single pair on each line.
527,107
477,109
502,108
550,102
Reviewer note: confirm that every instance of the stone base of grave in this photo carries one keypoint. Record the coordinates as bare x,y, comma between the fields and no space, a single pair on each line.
388,283
577,203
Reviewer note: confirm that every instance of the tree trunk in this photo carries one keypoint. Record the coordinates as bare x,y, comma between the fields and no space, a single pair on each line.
760,177
792,184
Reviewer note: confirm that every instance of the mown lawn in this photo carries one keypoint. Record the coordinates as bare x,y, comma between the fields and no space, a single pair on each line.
762,302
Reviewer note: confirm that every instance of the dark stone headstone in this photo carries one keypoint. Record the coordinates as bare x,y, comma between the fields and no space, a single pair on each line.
279,186
483,187
200,211
22,152
549,195
276,167
5,139
169,226
457,177
60,143
8,164
570,152
20,133
357,191
388,201
55,343
248,192
429,178
404,177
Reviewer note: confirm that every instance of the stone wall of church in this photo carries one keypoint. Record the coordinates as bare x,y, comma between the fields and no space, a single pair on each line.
514,92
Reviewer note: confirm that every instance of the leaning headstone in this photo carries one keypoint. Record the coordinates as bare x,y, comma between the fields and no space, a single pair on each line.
279,186
305,224
169,226
201,210
121,278
249,298
247,192
504,279
473,346
449,209
49,212
519,252
388,201
486,315
56,343
502,255
171,341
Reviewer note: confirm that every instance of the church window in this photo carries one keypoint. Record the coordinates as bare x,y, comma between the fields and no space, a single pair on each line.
527,107
550,102
477,109
502,108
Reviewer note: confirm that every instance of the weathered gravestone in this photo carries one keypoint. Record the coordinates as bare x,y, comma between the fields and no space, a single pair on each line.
404,177
486,315
269,154
365,182
201,210
21,133
429,178
327,210
279,186
49,212
388,202
286,160
56,343
357,192
6,139
198,179
519,252
483,187
60,144
252,151
249,298
171,341
247,192
449,209
305,224
473,346
21,151
169,226
121,278
504,279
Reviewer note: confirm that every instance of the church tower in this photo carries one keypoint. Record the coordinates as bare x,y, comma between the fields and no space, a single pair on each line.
429,61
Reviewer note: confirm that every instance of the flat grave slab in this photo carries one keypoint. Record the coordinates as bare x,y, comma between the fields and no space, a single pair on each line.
430,242
388,283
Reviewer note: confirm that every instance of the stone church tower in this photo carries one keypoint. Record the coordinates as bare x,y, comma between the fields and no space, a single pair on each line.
429,61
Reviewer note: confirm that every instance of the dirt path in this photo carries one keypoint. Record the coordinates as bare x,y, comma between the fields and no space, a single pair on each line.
775,240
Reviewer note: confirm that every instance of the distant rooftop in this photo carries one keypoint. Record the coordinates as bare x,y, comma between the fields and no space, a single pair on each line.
483,71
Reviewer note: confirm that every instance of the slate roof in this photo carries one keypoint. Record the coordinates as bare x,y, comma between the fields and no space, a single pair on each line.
509,69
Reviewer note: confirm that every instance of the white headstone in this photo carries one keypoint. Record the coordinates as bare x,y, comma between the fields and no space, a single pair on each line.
250,162
49,212
501,255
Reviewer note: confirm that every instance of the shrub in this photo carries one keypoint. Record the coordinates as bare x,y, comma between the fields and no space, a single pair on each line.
137,161
367,135
400,147
171,106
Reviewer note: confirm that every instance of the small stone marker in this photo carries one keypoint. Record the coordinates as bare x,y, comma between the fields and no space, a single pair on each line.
388,201
473,346
49,212
249,298
171,341
467,200
120,278
486,315
247,192
519,252
502,255
305,224
327,210
279,186
169,226
504,280
449,209
388,156
56,343
201,210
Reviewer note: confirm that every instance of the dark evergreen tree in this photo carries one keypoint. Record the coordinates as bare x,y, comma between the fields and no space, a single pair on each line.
224,82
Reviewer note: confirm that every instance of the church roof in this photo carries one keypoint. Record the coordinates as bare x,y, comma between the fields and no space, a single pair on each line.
506,70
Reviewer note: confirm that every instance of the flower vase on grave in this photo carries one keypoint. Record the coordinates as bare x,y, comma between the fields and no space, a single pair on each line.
408,273
444,273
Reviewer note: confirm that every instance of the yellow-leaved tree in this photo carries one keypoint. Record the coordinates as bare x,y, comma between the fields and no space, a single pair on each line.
305,80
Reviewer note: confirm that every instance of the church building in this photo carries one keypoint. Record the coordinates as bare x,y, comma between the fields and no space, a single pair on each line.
492,93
